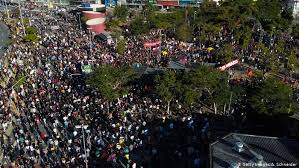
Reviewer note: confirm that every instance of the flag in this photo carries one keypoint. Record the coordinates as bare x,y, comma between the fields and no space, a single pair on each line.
249,72
164,53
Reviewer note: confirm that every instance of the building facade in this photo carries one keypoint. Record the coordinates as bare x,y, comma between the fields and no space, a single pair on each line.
295,8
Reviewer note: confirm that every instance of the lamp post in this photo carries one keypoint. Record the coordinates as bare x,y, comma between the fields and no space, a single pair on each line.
90,43
83,127
78,14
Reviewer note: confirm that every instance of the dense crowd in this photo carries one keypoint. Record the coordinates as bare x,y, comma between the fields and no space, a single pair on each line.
58,121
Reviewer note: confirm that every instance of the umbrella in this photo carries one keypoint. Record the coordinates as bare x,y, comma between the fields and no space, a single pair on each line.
210,49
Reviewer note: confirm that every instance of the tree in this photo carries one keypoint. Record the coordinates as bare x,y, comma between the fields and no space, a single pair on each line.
184,33
31,35
121,12
190,94
31,30
168,87
295,31
267,58
31,38
226,53
212,85
272,97
272,15
121,46
139,26
293,62
84,19
161,21
112,82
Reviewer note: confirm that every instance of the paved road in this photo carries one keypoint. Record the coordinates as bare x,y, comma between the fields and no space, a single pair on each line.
4,35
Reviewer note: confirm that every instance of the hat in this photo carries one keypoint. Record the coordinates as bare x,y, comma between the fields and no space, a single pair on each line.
126,151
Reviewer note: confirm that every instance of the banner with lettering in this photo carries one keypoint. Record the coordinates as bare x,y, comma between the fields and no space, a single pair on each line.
232,63
152,44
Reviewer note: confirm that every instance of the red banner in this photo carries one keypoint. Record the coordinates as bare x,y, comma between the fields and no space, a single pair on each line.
249,73
152,44
224,67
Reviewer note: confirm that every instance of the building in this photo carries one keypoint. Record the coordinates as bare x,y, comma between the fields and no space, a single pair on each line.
242,150
160,3
295,8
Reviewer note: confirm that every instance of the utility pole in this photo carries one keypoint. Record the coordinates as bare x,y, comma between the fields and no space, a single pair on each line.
7,13
83,127
21,16
79,18
90,43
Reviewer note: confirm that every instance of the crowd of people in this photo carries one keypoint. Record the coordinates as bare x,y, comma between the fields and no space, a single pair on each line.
56,120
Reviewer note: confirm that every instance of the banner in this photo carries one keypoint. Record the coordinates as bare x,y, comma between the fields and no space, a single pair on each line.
224,67
87,69
152,44
249,73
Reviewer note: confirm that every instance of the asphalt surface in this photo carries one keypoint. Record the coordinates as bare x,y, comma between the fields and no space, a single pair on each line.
4,35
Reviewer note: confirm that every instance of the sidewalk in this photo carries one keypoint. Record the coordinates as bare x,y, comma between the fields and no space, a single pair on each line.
8,131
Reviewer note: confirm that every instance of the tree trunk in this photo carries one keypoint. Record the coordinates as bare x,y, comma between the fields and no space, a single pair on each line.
224,108
230,101
215,108
108,106
168,108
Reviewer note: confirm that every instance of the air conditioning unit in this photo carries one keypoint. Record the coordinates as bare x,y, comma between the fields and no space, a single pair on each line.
239,147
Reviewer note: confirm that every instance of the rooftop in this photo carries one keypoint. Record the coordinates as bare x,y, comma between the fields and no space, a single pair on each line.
272,149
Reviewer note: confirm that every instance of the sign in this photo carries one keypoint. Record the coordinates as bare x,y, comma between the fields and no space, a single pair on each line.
224,67
87,69
55,27
152,44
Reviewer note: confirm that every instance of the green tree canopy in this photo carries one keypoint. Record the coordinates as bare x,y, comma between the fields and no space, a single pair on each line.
168,86
31,30
112,82
121,12
267,58
227,53
272,97
293,64
272,15
31,38
121,46
212,85
139,26
184,32
295,31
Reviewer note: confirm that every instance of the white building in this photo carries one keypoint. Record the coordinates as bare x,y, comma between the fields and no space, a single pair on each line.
295,7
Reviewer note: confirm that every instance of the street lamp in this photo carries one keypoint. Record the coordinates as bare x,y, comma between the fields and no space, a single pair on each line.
83,127
90,47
